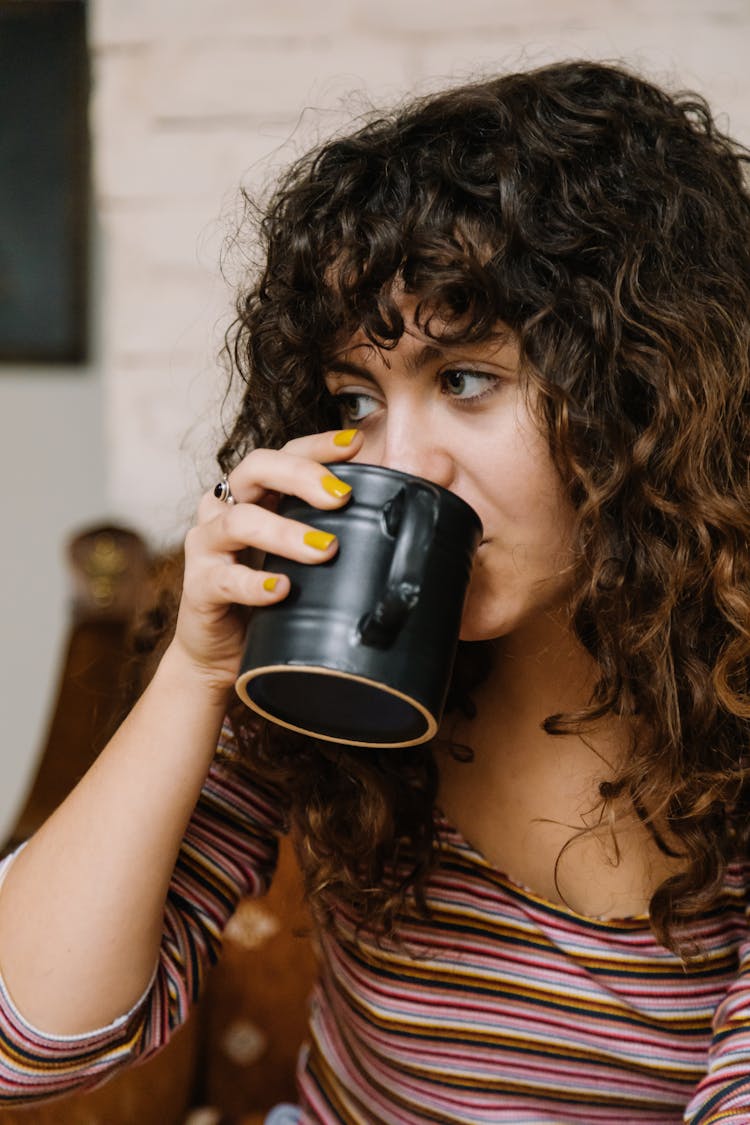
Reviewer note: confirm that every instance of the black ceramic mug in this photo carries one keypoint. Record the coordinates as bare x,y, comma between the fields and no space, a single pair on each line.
362,648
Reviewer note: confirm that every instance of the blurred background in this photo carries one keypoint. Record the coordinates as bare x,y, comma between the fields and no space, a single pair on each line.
182,102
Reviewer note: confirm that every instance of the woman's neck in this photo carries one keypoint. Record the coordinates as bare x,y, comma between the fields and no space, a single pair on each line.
526,794
537,671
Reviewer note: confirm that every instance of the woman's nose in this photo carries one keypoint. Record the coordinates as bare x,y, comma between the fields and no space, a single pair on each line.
419,456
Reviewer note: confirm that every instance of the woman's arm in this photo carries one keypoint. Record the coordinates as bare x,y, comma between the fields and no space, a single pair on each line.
81,910
82,907
229,850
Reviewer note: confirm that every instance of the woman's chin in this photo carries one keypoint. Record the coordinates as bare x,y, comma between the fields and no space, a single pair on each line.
479,627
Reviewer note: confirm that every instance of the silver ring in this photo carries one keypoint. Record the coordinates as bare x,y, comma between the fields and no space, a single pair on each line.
223,492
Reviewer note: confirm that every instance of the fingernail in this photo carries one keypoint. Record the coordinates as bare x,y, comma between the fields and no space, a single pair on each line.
335,486
345,437
270,584
321,540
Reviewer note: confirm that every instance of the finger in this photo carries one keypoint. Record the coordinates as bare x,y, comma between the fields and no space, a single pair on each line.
330,445
235,584
209,507
279,470
241,526
264,474
258,471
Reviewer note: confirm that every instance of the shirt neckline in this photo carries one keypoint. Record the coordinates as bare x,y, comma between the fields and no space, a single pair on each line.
520,890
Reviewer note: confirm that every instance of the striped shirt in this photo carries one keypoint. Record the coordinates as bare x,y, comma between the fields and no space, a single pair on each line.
501,1008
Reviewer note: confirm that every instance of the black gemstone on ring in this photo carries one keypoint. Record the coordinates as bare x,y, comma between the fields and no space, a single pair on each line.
223,492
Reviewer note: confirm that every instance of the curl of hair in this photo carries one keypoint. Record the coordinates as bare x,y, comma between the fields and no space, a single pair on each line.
606,223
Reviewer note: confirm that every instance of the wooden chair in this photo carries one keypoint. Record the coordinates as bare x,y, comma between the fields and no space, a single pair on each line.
238,1050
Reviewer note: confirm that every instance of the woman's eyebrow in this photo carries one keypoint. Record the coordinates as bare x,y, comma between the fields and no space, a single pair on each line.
426,354
346,367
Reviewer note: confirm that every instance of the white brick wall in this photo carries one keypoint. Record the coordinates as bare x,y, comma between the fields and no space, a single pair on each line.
191,97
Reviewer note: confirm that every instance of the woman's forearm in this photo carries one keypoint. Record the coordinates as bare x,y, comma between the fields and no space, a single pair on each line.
81,909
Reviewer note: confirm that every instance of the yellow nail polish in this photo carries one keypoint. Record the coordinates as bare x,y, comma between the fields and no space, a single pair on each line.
270,584
335,486
321,540
345,437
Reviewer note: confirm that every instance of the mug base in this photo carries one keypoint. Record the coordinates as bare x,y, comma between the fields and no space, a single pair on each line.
336,706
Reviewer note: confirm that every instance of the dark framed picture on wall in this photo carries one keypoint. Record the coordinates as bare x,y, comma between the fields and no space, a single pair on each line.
44,178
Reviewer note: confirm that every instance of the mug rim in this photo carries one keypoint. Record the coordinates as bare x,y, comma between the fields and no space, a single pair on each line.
341,467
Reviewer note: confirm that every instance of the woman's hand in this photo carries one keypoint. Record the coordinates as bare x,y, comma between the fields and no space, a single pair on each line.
218,589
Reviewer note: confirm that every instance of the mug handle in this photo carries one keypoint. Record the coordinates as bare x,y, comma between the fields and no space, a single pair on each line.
411,515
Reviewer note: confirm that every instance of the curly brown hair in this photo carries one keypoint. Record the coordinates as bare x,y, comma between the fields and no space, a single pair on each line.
606,223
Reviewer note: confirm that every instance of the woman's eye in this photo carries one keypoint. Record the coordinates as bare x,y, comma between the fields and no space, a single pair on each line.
468,384
355,407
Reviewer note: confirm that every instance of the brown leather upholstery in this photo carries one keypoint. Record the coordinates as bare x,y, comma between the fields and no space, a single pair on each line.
238,1050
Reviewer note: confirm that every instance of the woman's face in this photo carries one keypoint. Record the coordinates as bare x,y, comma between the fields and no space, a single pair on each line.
458,416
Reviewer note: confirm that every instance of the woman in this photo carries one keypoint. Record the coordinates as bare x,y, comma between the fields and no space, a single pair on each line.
533,291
